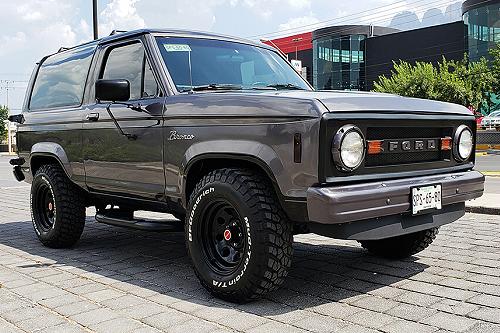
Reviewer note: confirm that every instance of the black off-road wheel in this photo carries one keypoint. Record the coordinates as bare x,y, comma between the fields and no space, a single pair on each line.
401,246
238,237
57,207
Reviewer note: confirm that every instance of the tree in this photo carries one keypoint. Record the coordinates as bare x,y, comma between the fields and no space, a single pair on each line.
4,114
461,82
495,68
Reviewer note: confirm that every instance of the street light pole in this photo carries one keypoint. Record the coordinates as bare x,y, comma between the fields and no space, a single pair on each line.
94,18
296,40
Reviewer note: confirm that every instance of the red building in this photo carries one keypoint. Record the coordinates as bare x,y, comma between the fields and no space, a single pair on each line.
297,47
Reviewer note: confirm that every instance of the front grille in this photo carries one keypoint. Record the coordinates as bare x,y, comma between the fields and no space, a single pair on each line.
407,157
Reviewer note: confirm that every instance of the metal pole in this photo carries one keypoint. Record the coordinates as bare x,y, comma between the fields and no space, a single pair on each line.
9,140
94,17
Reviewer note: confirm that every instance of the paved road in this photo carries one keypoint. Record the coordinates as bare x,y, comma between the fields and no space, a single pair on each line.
117,280
490,162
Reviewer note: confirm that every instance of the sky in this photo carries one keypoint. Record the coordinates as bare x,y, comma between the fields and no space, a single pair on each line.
31,29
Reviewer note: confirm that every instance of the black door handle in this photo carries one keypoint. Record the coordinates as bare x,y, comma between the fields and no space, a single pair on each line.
94,116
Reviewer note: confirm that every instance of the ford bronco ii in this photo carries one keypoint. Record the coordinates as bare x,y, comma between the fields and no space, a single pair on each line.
225,135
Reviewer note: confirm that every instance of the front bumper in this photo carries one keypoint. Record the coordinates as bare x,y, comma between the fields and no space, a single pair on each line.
347,203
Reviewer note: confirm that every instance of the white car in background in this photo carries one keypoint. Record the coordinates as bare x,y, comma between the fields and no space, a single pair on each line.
491,121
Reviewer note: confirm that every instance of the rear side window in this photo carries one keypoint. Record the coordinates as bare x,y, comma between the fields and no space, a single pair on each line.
129,62
61,79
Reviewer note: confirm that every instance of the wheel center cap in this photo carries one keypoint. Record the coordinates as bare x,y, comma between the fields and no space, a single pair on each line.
227,235
51,206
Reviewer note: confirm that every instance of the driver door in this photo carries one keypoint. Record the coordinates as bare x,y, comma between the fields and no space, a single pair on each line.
115,164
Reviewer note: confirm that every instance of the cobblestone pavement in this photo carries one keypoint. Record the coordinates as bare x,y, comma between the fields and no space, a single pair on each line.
118,280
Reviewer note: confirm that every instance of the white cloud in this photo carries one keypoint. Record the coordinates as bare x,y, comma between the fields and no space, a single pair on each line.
300,4
120,15
298,22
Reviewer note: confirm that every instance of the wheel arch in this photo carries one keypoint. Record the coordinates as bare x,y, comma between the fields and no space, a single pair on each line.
49,153
203,163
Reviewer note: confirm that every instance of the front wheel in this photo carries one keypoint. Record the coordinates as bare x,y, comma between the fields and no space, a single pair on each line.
401,246
238,237
57,207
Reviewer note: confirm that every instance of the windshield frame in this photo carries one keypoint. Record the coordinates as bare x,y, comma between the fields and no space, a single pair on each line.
171,84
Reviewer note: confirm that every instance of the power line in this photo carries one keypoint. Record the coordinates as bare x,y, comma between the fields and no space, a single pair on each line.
358,16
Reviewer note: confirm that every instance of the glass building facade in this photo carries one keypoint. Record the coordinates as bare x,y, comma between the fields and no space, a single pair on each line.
339,63
339,56
483,26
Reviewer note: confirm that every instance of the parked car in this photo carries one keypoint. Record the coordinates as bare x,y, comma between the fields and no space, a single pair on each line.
225,135
491,121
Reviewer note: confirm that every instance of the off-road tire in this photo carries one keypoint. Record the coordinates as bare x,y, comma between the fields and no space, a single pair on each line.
69,207
401,246
267,228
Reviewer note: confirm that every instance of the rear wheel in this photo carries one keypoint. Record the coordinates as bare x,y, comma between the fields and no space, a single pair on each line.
401,246
237,235
57,207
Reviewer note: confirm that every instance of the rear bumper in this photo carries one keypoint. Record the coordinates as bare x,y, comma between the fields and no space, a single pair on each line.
342,204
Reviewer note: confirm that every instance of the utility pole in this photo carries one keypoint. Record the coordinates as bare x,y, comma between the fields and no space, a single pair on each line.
94,18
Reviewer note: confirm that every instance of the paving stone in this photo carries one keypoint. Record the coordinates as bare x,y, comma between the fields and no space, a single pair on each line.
318,323
166,319
373,303
370,319
450,322
400,325
486,314
95,316
411,312
117,325
275,327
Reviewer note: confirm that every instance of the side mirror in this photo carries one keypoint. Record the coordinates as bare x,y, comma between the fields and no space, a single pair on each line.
112,90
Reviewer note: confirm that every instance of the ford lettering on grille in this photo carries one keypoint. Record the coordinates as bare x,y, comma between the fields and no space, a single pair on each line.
410,145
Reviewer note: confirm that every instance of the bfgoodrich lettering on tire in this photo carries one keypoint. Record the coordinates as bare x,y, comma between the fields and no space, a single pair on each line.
57,207
237,235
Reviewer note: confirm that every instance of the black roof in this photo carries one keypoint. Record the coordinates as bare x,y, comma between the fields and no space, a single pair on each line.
473,4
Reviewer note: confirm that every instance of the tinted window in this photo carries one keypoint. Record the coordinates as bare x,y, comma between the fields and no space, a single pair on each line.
150,85
61,79
223,62
129,62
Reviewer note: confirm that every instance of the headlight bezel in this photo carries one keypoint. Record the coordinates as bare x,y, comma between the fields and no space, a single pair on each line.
456,143
338,140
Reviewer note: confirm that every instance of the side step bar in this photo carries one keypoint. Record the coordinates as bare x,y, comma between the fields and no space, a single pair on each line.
141,224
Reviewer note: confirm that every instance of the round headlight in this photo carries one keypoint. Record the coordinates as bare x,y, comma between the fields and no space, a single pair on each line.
463,144
348,148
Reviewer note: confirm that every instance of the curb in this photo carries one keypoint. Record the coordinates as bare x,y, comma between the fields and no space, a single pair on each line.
482,210
491,173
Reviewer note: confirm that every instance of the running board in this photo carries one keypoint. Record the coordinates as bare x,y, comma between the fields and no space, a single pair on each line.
141,224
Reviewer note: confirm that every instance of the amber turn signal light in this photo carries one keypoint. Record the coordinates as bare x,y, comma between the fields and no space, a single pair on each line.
375,147
446,143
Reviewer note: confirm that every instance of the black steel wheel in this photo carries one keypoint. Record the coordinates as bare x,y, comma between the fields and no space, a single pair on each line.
57,207
44,206
238,237
226,242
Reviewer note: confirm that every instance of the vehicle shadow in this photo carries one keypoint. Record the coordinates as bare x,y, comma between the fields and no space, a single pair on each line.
324,271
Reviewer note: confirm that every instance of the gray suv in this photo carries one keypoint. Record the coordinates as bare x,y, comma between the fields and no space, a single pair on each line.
225,135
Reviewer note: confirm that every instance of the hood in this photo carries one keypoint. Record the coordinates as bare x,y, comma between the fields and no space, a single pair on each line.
350,101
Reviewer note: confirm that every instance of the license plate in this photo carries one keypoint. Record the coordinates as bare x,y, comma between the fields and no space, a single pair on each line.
425,198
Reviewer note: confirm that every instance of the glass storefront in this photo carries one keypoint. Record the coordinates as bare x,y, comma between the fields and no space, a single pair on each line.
338,63
483,29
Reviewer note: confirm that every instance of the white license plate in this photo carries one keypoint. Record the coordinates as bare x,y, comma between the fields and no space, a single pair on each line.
426,197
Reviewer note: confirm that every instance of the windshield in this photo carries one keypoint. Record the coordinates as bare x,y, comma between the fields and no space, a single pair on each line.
495,114
217,64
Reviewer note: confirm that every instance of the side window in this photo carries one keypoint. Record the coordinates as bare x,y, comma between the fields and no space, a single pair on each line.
130,63
150,85
61,79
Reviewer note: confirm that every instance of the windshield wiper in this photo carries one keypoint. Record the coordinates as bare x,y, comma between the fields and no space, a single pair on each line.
285,86
217,86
